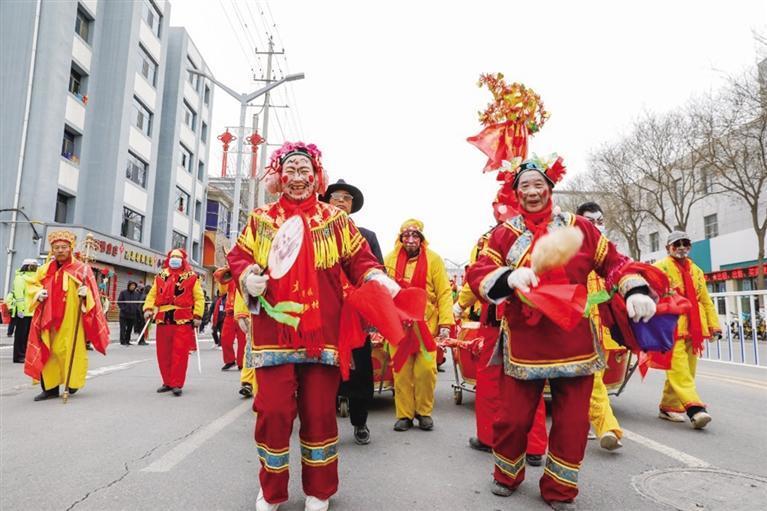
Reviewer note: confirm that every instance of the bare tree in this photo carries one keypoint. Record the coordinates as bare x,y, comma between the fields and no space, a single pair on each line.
733,130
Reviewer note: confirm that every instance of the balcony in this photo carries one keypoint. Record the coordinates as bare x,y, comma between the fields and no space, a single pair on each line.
75,112
69,175
145,92
81,53
140,144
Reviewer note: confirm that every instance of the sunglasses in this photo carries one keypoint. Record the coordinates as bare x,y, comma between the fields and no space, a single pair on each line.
681,243
342,196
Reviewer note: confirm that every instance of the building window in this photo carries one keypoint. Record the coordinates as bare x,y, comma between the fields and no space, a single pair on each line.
206,96
196,251
178,240
136,170
190,117
147,66
75,82
654,241
133,225
217,217
710,226
197,210
63,205
192,78
706,182
185,158
182,201
151,15
83,26
200,171
204,132
142,117
70,146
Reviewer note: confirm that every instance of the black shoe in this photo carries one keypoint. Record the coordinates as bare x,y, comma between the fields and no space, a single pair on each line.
500,489
425,422
177,391
164,388
361,435
143,343
403,424
474,443
72,391
534,460
228,365
47,394
440,370
246,390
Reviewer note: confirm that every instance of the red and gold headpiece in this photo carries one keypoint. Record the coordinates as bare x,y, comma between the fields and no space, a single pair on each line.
281,155
62,235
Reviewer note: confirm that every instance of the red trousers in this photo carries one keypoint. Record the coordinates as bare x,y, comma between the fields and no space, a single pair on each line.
567,439
173,344
310,391
486,403
229,332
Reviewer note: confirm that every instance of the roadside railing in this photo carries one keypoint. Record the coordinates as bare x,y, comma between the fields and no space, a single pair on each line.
744,328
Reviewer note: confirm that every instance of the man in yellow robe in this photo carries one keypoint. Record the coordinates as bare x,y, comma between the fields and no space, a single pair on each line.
412,263
64,299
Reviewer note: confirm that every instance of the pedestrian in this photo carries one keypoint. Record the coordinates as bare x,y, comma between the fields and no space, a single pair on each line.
567,358
144,293
208,312
218,314
680,395
176,304
601,415
413,264
67,311
129,302
230,330
487,400
21,315
359,388
297,367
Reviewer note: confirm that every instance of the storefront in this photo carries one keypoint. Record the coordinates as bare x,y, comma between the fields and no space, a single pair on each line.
734,279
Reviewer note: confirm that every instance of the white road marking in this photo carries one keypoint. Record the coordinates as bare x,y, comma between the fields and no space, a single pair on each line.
686,459
188,446
756,384
113,368
6,347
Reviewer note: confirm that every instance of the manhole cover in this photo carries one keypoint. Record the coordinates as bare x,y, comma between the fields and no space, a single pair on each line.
697,489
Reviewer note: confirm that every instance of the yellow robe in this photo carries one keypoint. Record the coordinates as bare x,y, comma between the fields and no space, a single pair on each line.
248,372
59,342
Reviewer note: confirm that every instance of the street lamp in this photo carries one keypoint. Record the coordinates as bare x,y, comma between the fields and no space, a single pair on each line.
244,99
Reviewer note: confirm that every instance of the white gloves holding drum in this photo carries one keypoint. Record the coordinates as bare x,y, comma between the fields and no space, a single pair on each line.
640,307
523,279
255,283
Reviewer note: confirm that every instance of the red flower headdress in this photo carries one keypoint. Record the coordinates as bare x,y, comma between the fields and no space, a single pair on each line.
274,169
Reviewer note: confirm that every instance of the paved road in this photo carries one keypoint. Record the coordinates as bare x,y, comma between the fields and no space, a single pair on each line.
119,445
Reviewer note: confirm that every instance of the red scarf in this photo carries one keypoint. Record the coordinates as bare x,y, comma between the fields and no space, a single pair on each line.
419,331
538,222
53,282
307,292
694,324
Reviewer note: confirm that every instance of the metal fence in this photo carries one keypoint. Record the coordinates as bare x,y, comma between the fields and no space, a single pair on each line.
744,328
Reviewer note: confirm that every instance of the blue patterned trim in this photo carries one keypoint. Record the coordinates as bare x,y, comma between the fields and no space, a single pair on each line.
566,474
508,467
276,357
489,281
319,453
629,282
273,461
521,245
249,361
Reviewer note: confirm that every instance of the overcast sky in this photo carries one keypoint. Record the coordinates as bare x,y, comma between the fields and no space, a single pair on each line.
390,92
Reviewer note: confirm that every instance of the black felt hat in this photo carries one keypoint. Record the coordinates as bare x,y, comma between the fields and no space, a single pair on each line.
357,198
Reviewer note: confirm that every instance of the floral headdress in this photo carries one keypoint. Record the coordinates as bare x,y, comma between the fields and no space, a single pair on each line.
288,149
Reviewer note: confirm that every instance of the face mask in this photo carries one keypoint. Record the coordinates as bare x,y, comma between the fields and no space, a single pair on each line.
174,263
601,228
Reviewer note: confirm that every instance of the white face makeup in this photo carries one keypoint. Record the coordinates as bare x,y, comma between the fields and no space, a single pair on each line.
680,249
596,218
298,180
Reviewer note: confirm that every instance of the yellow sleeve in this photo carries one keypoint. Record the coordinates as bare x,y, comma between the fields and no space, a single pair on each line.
240,307
199,300
442,290
466,297
150,298
34,285
712,318
390,262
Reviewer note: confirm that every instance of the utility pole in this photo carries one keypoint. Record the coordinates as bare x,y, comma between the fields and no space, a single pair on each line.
252,180
265,132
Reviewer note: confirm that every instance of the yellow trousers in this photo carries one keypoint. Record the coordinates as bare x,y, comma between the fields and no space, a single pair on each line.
414,386
248,375
679,392
601,413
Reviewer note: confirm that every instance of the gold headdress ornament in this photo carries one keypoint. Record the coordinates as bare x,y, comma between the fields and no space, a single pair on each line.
62,235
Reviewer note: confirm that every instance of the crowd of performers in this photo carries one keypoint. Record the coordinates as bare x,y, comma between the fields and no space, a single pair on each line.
307,292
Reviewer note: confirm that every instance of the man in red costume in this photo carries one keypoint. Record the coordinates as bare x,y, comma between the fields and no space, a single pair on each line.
176,303
489,375
230,330
64,299
297,364
567,359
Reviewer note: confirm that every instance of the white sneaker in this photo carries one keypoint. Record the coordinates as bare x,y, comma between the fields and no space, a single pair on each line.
591,436
700,420
610,441
672,416
263,505
315,504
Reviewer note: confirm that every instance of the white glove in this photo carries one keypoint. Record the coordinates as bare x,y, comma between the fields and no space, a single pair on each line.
41,295
256,284
197,322
457,310
148,315
444,331
640,307
243,324
82,291
522,279
387,282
